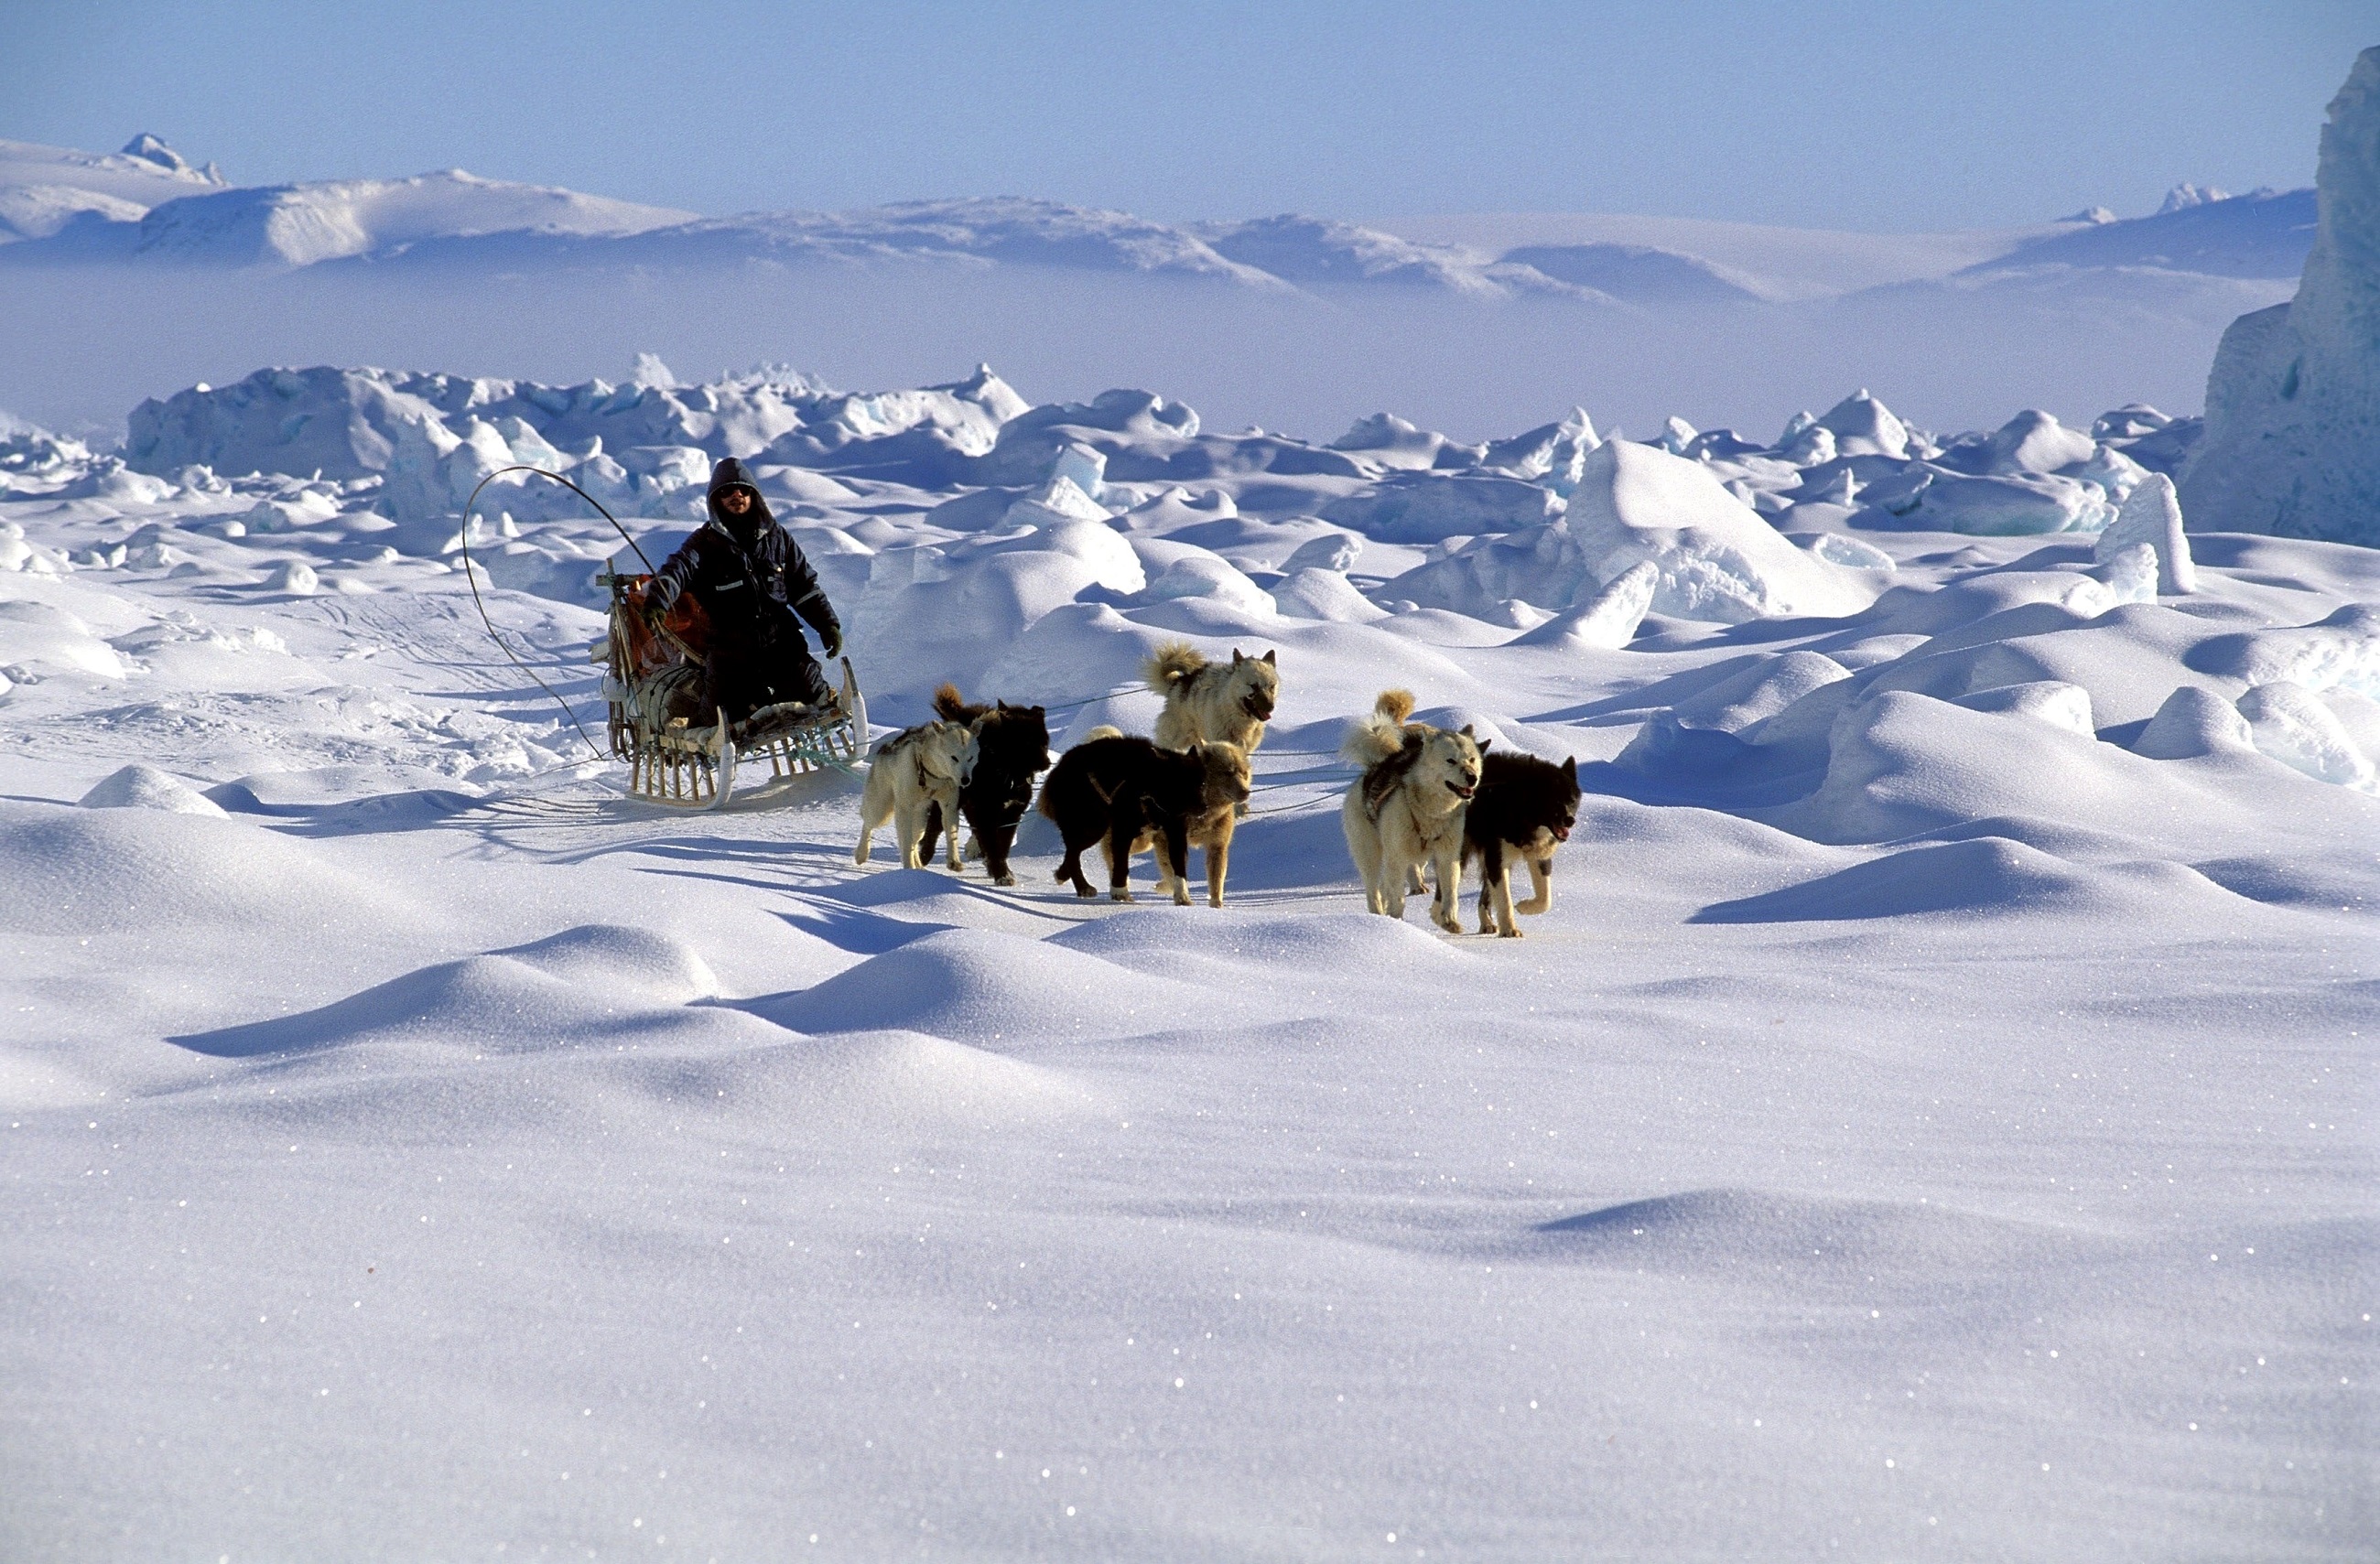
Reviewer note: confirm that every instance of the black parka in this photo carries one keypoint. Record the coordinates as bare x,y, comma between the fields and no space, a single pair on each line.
747,572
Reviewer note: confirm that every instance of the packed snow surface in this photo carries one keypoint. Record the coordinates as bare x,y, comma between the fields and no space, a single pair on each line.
1932,1120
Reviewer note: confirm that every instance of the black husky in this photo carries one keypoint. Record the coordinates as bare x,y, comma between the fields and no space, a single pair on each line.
1524,807
1111,790
1012,747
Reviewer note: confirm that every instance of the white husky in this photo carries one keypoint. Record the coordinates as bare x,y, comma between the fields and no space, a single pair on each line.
1407,807
914,767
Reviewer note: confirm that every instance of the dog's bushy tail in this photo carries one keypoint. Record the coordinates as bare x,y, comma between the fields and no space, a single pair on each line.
1380,735
1105,730
949,704
1171,664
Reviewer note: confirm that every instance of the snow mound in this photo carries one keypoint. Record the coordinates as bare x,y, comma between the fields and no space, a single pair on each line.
1605,620
1982,875
2291,725
615,956
2340,650
1778,1236
145,787
1862,426
2011,505
983,988
1898,763
1712,556
2193,723
40,640
1426,507
1716,558
109,869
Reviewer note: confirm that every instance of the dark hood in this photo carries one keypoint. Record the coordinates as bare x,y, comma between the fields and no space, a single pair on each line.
729,473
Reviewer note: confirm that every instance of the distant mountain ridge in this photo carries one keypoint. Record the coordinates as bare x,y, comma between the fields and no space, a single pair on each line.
148,205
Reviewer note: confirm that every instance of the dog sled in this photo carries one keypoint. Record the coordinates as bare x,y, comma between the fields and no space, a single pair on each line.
682,755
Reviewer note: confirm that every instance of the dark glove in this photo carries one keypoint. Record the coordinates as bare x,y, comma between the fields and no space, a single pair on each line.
831,641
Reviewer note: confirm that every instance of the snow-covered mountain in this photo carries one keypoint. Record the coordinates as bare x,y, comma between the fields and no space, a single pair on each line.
2262,234
148,205
44,189
302,225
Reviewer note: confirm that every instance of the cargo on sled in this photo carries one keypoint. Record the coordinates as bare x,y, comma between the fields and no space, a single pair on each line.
683,752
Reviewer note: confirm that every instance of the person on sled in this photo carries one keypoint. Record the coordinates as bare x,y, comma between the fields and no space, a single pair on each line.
751,580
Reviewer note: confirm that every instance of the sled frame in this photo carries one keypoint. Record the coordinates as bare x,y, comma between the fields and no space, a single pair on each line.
677,765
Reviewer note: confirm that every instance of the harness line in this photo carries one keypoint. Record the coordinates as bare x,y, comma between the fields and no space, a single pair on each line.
471,579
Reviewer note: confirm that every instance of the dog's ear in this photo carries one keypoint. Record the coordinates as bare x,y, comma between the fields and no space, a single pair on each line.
1482,743
1236,658
1467,733
1269,657
1569,765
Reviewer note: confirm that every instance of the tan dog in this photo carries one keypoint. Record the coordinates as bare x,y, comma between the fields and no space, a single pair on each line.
1227,788
1212,702
1407,808
914,767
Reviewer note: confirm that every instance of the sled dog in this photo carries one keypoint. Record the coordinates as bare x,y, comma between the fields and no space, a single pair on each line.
1407,807
1008,746
1524,808
1124,791
1212,702
914,769
1226,794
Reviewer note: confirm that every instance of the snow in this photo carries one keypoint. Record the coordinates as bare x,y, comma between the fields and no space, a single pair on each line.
2150,514
2292,442
296,225
44,189
1930,1116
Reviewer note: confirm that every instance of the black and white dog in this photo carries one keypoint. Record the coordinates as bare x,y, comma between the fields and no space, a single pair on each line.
1010,748
1524,807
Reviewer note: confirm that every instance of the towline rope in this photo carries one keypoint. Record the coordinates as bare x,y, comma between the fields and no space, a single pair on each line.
471,578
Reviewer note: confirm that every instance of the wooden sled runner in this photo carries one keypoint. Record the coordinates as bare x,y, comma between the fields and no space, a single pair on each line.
680,754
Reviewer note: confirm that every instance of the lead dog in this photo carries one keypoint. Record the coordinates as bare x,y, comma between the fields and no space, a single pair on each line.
915,768
1407,807
1212,702
1524,808
1009,748
1118,791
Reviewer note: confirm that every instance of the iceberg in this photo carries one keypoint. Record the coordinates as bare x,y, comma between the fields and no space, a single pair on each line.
2292,439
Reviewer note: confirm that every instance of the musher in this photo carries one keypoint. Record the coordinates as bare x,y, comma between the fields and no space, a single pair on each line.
750,577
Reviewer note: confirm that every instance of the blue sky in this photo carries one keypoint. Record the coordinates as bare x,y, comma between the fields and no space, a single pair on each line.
1883,117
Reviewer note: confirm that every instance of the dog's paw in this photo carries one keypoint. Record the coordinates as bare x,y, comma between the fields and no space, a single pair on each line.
1119,895
1181,898
1004,879
1506,933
